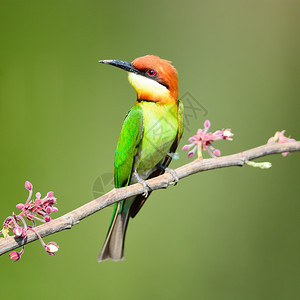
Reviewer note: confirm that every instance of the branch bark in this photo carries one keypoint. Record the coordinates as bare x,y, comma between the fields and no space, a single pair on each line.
74,217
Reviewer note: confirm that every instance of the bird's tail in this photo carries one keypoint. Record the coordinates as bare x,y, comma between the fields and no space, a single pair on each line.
113,247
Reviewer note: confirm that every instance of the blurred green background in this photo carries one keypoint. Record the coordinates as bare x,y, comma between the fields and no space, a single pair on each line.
225,234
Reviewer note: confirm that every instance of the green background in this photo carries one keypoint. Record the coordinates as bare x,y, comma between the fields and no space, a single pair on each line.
225,234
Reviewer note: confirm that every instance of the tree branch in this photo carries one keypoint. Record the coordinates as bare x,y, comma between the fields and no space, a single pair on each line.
74,217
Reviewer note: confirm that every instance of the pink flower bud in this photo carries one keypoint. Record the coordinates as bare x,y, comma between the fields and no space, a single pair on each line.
54,209
49,210
191,154
207,124
47,219
38,195
217,152
18,231
51,248
28,186
20,206
15,256
50,194
185,147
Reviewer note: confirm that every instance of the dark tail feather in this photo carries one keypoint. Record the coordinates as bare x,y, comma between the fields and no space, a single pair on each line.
113,247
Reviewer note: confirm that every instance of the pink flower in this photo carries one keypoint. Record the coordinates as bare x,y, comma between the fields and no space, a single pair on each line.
18,231
279,137
20,206
47,219
49,210
50,194
15,256
203,141
51,248
31,211
28,186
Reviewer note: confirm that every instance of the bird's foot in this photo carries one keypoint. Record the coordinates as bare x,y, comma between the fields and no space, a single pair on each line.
173,173
140,180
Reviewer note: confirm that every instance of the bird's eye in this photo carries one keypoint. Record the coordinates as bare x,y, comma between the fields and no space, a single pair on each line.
151,72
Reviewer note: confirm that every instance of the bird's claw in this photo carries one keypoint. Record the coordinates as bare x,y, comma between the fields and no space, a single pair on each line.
174,174
146,187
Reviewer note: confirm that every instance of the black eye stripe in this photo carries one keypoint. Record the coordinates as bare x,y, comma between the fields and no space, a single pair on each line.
154,77
162,83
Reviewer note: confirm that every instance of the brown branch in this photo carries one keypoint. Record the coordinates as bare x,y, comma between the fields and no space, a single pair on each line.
74,217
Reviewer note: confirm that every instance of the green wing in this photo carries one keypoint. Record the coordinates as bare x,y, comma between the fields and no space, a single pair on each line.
130,137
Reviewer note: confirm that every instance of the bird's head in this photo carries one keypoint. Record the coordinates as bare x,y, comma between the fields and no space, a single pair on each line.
153,78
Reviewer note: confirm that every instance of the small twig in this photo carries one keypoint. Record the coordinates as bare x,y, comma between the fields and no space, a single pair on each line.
72,218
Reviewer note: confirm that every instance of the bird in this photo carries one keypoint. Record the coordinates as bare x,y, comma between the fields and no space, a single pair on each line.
149,137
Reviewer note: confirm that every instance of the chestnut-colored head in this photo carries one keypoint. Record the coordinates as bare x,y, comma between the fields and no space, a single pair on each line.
153,68
153,78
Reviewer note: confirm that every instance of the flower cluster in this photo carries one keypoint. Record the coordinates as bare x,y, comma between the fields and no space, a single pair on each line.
38,209
203,141
279,137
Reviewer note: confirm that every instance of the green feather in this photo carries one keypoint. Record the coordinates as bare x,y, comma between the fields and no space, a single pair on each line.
130,137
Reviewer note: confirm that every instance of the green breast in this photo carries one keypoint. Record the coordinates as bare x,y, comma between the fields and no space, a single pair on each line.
160,130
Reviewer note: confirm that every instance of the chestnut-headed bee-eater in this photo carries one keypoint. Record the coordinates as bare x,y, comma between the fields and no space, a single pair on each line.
149,137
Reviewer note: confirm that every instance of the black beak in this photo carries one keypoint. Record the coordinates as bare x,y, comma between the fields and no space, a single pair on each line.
127,66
